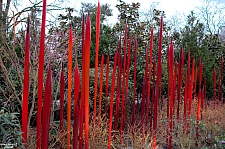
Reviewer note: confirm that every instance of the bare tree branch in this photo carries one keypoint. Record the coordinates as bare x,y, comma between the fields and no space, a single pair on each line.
1,3
28,9
7,7
3,92
5,72
212,12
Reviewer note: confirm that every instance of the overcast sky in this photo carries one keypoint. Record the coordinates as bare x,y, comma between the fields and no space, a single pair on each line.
169,6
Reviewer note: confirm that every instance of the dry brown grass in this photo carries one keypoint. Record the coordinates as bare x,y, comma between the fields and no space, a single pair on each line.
212,125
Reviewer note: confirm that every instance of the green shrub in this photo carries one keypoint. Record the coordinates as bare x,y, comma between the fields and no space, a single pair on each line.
10,133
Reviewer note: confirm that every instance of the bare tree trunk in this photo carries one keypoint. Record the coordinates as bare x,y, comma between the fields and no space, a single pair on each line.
1,14
7,7
1,3
4,14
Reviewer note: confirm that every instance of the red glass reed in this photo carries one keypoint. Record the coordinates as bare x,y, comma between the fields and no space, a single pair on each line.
175,83
149,78
168,73
26,85
96,57
70,53
87,75
157,83
111,101
76,108
124,52
100,92
198,116
61,107
46,110
118,91
122,109
171,95
107,85
40,74
188,74
153,92
135,76
147,104
178,87
82,91
76,86
127,72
